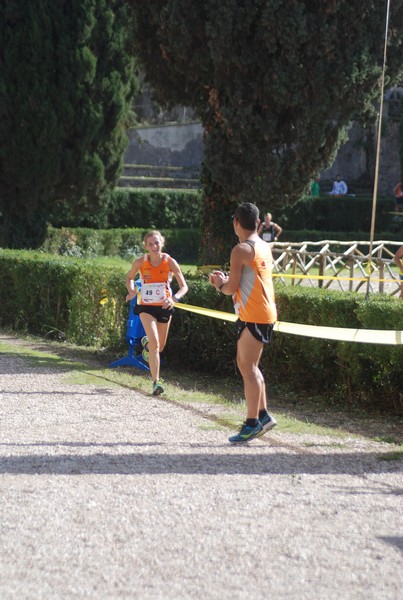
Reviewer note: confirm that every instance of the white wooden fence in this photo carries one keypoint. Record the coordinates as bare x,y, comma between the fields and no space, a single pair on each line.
348,269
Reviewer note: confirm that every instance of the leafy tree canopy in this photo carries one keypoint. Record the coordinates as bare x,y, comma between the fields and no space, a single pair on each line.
66,82
275,84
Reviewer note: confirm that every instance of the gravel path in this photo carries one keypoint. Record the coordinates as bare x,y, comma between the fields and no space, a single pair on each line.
109,493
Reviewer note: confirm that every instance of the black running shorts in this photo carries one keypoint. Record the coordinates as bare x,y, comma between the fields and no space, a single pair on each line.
162,315
261,331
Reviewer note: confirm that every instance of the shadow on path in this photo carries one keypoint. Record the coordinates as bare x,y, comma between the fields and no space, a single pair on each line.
199,464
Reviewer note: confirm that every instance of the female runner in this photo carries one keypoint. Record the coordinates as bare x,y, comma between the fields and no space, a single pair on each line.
156,301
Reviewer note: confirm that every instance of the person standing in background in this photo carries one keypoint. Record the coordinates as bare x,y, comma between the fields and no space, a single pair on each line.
398,258
315,187
398,192
269,231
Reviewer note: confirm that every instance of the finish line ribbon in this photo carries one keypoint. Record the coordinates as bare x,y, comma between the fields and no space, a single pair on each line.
341,334
208,312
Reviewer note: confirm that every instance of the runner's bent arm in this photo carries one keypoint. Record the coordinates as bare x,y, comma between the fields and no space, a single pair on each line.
278,230
241,255
130,279
183,287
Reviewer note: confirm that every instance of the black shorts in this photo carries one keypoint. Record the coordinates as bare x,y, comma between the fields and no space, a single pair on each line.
162,315
261,331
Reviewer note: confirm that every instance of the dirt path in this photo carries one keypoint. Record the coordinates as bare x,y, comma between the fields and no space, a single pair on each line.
109,493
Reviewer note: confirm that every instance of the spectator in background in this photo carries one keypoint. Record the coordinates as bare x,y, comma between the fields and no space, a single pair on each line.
398,258
315,187
269,231
339,187
398,192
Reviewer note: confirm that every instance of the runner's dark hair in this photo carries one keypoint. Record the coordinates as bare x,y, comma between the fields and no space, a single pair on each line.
247,215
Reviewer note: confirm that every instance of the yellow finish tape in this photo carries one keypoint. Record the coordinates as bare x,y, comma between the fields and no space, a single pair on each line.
341,334
208,312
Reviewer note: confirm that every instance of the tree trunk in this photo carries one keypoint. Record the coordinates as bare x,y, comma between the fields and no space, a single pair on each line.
218,235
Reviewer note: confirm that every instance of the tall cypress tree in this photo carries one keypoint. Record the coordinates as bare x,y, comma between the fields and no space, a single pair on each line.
275,84
66,83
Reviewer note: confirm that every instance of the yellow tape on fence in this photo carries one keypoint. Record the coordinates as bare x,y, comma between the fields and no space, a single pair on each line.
333,278
341,334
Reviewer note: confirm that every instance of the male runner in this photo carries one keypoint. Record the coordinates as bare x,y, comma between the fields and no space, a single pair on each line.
251,286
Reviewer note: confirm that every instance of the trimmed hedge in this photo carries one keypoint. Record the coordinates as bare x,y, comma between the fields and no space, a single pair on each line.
73,300
61,298
183,244
328,213
136,207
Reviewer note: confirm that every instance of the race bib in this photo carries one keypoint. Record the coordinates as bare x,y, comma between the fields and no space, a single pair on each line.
153,293
267,237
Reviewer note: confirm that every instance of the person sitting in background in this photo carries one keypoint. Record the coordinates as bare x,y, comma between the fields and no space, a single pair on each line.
398,258
339,187
398,192
269,231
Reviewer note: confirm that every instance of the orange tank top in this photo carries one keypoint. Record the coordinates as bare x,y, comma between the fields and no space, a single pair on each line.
254,301
155,281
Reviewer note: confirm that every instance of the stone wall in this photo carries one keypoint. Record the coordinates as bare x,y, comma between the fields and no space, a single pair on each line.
174,145
355,160
182,145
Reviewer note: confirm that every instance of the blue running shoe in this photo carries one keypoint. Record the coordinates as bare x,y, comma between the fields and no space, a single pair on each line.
268,422
246,433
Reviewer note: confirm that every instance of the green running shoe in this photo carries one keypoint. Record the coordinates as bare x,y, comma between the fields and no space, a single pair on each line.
144,341
246,433
145,355
157,387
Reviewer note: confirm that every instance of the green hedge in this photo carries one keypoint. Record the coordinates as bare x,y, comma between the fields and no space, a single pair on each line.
327,213
61,298
354,372
183,244
72,300
136,207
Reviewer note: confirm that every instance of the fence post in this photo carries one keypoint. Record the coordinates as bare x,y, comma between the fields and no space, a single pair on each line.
351,265
322,263
294,268
381,267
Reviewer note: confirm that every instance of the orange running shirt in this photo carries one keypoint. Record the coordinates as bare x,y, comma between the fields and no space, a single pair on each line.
151,293
254,301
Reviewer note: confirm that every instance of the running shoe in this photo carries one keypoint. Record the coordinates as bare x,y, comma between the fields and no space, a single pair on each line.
246,433
144,342
145,355
157,388
267,423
